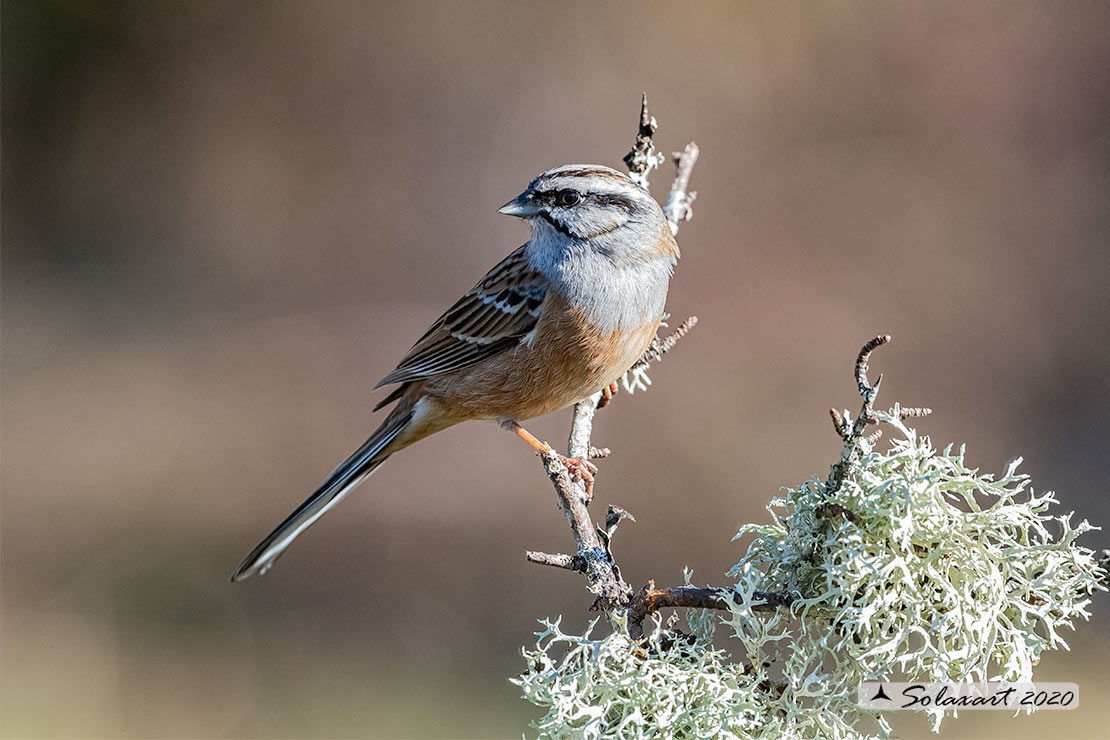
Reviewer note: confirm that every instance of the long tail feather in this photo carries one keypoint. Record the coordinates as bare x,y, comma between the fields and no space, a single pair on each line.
345,479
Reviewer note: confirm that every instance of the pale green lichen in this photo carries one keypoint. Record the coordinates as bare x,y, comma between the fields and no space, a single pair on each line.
940,573
611,687
636,379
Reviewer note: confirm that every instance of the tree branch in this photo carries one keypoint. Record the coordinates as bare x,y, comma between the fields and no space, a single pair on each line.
582,426
593,556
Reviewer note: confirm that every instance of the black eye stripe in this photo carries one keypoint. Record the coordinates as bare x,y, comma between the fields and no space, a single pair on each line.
561,228
614,199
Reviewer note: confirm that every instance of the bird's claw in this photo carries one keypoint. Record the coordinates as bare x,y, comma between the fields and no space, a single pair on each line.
581,471
607,394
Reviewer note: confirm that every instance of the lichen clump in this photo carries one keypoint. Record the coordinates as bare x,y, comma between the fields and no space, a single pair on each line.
915,568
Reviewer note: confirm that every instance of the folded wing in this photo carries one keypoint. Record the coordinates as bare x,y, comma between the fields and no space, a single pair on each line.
497,314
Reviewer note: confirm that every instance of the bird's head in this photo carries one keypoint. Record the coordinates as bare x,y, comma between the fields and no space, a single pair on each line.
585,202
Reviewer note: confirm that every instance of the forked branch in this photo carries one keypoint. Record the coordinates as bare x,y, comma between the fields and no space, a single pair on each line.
853,432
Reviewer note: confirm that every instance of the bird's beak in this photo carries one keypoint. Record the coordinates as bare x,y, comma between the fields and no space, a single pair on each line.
522,206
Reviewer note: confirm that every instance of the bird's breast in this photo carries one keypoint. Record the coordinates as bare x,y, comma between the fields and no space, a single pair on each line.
567,358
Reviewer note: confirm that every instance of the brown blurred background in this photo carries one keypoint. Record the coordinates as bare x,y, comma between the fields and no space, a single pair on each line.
223,222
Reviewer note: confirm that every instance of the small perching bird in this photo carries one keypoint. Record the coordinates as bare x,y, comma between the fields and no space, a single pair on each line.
554,322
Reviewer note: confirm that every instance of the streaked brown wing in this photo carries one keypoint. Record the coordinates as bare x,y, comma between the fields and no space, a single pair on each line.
494,316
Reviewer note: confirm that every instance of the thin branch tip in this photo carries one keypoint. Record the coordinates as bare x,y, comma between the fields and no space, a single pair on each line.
660,347
679,205
556,560
861,366
641,159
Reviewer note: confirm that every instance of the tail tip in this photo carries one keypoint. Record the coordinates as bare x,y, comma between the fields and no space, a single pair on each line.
250,567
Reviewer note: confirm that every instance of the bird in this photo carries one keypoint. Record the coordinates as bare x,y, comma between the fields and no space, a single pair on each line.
560,318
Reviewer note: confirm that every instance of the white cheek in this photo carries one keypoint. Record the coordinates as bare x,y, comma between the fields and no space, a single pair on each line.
599,222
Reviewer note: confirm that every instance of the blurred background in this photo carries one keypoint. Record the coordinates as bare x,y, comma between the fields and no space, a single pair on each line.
224,222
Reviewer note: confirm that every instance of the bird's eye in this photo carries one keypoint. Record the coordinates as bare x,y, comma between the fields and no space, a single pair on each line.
568,198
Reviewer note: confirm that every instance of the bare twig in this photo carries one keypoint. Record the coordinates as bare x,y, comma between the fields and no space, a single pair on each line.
636,376
680,203
660,347
643,158
867,390
557,560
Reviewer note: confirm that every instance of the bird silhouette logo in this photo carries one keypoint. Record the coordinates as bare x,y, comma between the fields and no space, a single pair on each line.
880,694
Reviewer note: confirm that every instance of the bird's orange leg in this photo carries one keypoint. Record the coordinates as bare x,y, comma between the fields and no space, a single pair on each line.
579,468
541,447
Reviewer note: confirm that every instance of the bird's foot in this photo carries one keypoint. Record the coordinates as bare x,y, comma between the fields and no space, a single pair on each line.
581,471
607,394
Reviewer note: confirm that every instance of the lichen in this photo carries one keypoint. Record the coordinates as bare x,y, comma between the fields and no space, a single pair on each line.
939,573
